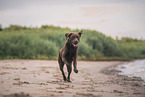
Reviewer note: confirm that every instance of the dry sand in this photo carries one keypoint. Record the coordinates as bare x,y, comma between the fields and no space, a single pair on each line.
42,78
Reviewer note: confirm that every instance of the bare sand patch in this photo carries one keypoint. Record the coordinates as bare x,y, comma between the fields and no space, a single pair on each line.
42,78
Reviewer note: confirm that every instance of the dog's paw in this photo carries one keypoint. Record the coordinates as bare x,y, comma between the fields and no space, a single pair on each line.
76,71
68,80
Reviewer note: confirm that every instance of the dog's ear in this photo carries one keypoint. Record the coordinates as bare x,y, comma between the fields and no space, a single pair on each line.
67,35
80,33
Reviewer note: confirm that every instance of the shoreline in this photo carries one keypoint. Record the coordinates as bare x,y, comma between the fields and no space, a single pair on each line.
135,83
36,78
111,70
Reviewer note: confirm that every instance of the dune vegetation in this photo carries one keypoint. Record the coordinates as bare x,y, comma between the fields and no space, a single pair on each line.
18,42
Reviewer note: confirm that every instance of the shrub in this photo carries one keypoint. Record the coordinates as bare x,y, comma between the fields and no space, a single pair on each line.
44,43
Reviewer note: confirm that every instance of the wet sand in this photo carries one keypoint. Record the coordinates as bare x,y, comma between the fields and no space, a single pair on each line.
42,78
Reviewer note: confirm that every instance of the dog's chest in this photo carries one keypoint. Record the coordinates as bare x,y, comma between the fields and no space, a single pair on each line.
70,55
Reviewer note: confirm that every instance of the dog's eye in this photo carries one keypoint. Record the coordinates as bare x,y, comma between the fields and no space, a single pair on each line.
77,37
73,37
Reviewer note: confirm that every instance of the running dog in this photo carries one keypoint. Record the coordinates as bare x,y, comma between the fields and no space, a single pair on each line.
69,53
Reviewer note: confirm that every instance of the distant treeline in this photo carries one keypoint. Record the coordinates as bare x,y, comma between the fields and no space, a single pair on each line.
17,42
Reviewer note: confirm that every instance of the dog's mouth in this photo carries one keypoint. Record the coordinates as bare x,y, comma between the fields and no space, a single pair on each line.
75,44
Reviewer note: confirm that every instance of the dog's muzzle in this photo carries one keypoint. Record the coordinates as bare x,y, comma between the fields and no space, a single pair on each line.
75,43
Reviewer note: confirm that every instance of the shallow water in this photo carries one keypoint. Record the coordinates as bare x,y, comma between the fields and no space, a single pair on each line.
133,69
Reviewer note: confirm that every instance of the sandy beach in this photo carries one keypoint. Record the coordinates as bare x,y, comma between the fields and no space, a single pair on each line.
42,78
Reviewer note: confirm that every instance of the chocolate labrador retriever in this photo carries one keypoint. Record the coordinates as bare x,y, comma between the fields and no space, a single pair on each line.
68,54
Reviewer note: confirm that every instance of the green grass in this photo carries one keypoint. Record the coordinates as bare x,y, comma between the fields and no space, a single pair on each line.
17,42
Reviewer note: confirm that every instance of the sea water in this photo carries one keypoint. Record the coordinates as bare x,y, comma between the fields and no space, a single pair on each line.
133,69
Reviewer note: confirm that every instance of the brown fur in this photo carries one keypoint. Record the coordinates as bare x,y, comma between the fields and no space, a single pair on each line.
68,54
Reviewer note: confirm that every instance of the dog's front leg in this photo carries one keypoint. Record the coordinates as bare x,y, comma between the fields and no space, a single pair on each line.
75,66
69,69
75,62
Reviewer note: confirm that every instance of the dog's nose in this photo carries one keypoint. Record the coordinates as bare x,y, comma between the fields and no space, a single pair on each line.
76,41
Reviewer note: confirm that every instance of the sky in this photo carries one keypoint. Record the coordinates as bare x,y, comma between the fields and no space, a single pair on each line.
115,18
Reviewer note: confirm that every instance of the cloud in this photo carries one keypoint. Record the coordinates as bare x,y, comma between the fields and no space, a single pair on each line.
112,17
99,10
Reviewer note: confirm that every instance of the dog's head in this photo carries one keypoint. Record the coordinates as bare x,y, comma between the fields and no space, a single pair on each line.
73,38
